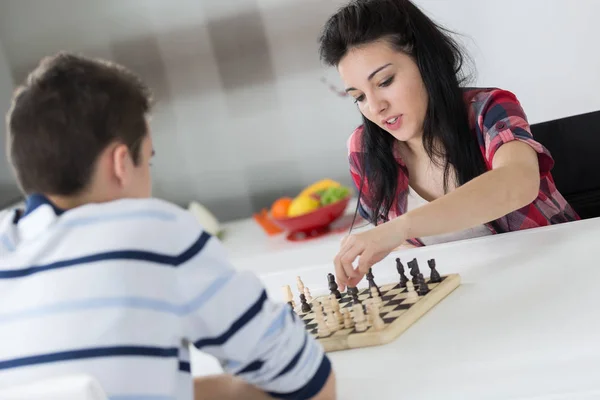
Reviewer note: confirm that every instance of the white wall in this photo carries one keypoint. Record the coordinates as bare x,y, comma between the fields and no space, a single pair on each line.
6,88
543,50
243,116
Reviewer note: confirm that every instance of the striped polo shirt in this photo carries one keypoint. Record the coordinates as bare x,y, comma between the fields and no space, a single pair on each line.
119,290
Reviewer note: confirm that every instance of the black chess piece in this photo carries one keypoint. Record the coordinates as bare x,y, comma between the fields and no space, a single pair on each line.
333,287
354,293
434,277
423,288
400,268
371,280
414,270
305,306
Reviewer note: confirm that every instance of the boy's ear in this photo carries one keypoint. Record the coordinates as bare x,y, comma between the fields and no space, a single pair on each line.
122,164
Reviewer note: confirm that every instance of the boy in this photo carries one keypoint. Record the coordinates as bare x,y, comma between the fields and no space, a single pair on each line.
96,277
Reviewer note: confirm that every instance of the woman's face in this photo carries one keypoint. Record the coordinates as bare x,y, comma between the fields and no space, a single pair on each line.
388,88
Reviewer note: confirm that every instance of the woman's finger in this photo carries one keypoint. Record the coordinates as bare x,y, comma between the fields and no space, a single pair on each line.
347,260
340,273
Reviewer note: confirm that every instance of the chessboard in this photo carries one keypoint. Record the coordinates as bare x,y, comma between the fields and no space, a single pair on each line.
375,315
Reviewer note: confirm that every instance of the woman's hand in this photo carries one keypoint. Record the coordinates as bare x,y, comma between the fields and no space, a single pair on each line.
371,247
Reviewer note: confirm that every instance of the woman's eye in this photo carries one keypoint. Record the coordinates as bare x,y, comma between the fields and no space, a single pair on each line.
359,98
387,82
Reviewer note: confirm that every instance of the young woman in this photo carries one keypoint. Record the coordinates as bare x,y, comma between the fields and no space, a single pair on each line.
433,161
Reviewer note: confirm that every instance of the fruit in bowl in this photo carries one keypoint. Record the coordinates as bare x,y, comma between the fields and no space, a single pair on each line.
315,207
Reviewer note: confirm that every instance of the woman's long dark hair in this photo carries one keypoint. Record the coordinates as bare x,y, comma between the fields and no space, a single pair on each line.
446,133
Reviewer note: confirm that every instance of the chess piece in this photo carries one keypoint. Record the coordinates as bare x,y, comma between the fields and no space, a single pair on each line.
322,328
335,307
309,298
348,324
305,306
434,277
400,268
410,289
423,288
300,285
375,297
353,291
414,270
333,287
377,322
371,280
330,317
360,322
288,296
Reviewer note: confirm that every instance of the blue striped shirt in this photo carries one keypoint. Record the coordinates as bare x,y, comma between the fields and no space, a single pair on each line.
119,290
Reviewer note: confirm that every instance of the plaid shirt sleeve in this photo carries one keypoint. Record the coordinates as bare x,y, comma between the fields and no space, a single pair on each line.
500,120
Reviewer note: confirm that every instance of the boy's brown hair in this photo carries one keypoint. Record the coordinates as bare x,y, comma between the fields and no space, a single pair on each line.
68,111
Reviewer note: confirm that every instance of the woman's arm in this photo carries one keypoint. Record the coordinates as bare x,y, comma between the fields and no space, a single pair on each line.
512,183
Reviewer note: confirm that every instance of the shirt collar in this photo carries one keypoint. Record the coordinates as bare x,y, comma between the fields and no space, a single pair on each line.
35,201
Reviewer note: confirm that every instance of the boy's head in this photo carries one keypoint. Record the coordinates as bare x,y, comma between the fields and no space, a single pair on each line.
77,129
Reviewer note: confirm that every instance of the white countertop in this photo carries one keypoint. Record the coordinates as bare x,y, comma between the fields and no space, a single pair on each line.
524,323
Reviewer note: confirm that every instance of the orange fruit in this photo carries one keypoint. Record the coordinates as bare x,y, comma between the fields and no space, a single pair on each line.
280,207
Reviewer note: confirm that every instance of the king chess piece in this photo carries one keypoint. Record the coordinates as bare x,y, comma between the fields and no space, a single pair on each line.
434,277
333,287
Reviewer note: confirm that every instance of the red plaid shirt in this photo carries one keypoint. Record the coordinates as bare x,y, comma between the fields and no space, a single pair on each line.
496,117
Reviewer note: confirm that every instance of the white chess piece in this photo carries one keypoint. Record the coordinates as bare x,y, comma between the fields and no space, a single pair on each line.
322,328
300,285
288,295
375,296
378,323
359,318
335,306
307,294
348,323
410,289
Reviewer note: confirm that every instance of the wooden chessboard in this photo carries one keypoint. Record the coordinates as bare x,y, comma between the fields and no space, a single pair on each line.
397,311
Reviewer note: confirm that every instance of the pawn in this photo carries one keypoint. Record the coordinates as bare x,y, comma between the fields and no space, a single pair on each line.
410,289
305,306
359,318
423,288
309,298
347,319
335,307
333,287
434,277
377,321
375,296
322,328
400,268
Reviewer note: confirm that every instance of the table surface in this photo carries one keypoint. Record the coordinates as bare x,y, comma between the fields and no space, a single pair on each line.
522,325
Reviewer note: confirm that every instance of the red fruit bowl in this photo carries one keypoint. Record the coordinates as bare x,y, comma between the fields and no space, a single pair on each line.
315,221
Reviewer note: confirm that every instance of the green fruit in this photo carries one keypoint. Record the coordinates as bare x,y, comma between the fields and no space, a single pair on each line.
333,194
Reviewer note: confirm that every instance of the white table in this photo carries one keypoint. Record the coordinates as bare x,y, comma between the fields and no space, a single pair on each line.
524,324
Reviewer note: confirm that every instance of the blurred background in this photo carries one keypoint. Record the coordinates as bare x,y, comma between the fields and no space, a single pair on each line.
246,113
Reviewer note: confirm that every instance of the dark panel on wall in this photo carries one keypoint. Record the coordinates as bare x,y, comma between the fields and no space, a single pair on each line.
575,144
